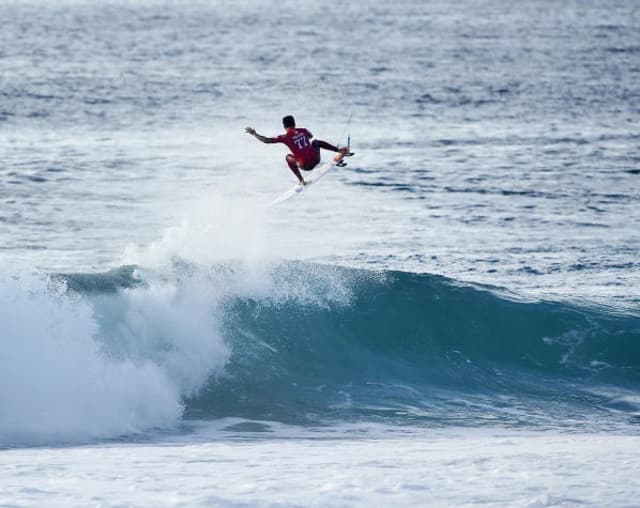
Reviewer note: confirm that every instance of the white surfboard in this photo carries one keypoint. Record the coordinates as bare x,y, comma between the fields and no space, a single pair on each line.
309,177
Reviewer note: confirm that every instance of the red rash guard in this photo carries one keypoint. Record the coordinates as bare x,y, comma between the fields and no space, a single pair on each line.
299,142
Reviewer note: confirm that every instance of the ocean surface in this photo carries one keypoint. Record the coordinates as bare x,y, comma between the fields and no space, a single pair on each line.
451,320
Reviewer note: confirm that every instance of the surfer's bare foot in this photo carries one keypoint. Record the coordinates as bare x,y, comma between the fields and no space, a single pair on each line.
302,183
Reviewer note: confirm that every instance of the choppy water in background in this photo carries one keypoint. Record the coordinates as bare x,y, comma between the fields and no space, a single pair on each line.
475,265
497,142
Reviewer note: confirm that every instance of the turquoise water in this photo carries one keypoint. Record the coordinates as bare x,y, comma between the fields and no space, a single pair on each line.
327,345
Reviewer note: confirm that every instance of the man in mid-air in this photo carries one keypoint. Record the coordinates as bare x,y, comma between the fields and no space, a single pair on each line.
305,152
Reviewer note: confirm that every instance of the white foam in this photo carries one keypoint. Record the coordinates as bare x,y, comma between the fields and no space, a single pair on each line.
55,382
447,467
68,375
176,326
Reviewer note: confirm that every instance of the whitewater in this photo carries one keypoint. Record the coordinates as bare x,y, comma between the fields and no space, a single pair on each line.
451,320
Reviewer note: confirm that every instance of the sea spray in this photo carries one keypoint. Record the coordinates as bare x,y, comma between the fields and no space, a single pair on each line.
211,229
172,321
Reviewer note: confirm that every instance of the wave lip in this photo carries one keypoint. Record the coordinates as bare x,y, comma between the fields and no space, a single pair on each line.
111,281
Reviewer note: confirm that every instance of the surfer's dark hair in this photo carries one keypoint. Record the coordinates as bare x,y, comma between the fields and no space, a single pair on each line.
288,121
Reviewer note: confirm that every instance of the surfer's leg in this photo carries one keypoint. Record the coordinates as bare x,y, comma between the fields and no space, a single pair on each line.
318,143
293,166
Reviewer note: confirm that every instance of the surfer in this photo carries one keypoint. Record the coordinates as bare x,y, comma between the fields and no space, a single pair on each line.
305,152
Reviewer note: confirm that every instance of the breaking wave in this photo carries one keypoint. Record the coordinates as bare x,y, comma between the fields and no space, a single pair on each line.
94,356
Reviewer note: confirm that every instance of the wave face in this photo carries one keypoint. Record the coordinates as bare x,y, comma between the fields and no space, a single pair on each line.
105,355
411,347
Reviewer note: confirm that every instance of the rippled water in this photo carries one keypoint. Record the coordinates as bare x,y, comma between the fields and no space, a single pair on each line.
496,143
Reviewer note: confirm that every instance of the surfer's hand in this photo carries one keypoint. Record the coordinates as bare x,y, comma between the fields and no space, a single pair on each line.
250,130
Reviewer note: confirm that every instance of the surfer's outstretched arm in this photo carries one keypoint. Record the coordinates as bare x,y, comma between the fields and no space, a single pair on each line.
259,137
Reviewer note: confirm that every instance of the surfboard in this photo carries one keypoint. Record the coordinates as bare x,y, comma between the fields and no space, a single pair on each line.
310,178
